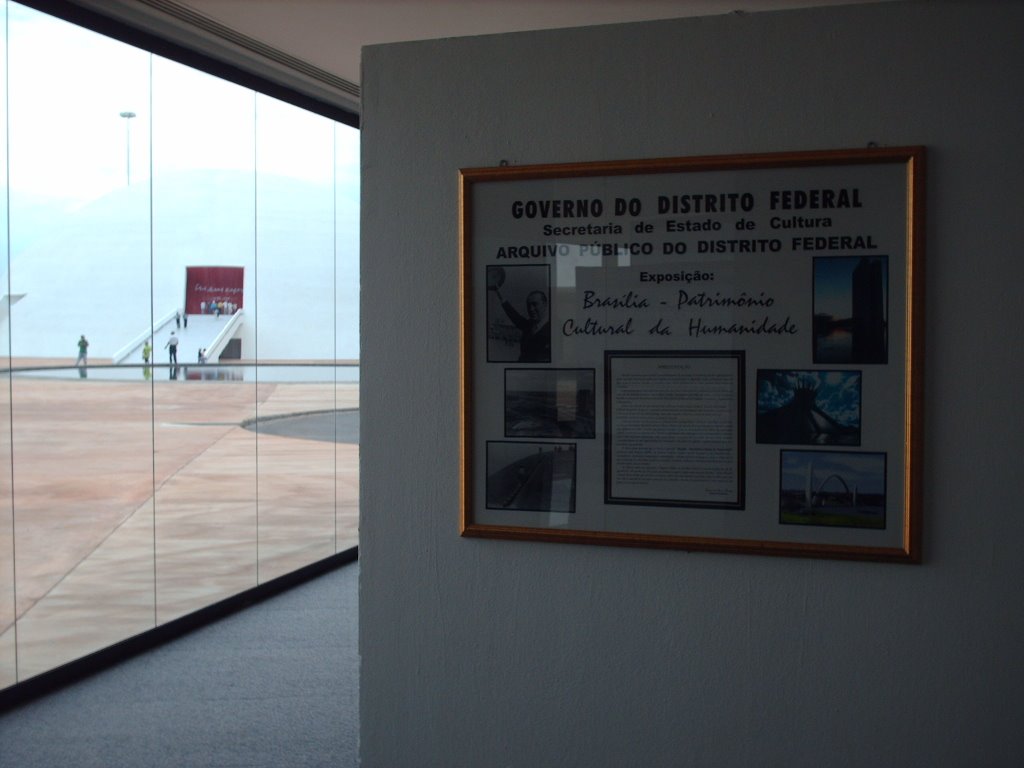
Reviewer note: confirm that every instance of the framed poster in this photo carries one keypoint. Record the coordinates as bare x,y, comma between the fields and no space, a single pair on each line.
709,353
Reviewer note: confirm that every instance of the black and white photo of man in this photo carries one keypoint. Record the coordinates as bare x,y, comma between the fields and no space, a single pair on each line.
514,335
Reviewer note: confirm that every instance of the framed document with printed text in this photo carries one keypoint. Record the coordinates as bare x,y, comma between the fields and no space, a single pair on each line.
709,353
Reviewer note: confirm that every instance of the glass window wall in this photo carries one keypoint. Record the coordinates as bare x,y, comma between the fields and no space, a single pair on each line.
179,339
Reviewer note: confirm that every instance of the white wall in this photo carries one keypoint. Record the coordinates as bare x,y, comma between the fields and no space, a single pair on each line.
488,653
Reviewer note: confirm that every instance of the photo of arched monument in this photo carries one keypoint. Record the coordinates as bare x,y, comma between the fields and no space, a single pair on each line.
832,488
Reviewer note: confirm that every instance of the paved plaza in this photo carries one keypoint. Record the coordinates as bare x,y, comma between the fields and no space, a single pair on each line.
135,502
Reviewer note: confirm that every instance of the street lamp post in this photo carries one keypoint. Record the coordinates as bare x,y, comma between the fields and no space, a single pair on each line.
128,144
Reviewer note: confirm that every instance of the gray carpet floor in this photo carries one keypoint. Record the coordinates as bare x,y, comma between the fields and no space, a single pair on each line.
276,684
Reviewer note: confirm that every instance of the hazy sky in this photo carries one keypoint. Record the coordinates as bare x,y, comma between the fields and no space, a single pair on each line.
71,215
864,471
67,139
833,285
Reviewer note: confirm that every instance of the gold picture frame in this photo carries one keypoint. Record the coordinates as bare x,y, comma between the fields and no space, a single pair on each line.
717,353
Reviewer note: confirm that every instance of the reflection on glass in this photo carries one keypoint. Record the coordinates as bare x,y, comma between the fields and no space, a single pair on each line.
80,262
203,242
294,322
346,337
346,468
83,487
155,477
206,486
296,430
8,658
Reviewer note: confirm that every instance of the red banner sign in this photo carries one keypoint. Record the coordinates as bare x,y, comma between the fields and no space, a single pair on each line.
210,290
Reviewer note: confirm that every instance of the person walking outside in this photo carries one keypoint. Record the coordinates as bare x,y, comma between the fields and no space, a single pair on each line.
172,346
147,352
83,351
177,319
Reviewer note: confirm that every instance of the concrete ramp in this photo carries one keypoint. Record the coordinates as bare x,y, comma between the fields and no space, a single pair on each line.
200,332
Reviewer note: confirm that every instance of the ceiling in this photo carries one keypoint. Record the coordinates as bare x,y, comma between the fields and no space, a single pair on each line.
329,34
313,47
